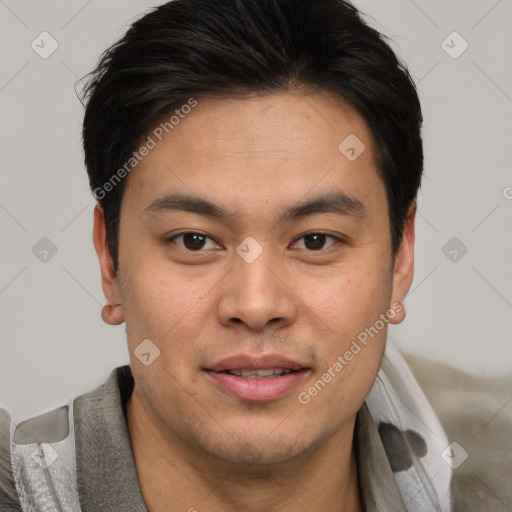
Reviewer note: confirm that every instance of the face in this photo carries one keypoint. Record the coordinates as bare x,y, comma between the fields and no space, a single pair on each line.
250,241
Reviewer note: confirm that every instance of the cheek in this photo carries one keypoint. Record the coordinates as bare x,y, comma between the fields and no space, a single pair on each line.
341,386
350,300
164,308
164,290
347,308
164,393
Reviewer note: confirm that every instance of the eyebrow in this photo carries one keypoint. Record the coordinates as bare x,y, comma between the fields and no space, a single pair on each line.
339,203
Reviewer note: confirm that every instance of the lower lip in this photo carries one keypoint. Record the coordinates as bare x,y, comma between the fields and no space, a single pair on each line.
258,390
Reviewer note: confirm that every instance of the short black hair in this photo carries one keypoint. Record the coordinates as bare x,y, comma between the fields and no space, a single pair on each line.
185,49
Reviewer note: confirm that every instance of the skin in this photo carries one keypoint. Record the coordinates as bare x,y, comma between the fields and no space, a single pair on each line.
195,446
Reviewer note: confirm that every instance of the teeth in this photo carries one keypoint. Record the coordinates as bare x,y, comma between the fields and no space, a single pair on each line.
258,373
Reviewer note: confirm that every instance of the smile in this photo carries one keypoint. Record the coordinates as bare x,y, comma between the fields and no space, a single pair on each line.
259,373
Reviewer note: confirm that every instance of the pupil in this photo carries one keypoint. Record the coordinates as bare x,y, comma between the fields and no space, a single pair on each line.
318,243
197,243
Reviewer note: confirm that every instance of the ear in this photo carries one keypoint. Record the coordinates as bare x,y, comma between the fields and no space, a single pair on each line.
403,271
112,313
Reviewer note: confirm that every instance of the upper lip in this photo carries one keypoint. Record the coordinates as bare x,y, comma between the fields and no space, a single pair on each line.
253,362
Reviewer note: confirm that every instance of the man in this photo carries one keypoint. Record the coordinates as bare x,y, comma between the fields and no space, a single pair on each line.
256,165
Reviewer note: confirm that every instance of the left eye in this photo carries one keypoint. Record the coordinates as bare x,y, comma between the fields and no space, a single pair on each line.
316,241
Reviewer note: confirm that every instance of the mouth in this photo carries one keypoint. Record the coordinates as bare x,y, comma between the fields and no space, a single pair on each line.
257,379
260,373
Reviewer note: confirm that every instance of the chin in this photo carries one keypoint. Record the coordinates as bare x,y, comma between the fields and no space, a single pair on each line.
259,453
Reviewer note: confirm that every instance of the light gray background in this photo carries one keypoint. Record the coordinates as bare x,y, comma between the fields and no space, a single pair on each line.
53,342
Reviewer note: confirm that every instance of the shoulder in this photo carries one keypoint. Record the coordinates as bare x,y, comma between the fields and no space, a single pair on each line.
8,494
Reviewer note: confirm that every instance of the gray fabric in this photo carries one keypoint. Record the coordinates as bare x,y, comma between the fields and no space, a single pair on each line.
106,473
50,427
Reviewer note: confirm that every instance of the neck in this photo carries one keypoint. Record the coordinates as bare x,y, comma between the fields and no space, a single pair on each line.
173,476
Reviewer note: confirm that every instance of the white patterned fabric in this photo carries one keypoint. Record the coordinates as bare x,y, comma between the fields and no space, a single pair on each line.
412,435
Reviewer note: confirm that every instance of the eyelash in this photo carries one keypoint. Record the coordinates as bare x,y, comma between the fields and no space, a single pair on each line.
337,240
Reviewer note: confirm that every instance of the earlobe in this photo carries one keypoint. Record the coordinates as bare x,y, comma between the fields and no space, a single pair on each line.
112,312
403,271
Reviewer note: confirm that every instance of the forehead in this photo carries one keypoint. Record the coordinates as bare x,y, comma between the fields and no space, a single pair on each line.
274,148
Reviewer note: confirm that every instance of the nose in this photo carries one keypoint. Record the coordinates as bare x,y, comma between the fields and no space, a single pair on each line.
258,292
